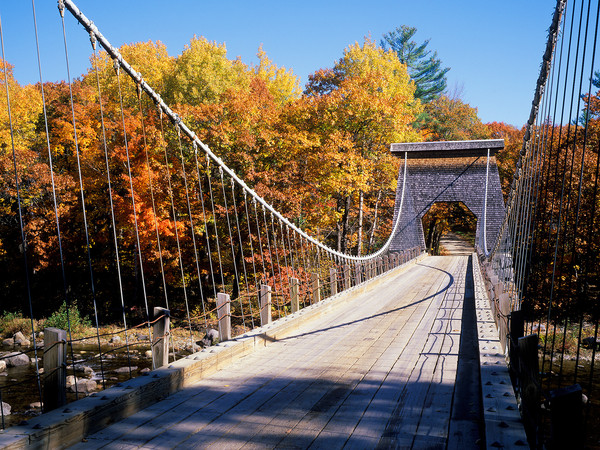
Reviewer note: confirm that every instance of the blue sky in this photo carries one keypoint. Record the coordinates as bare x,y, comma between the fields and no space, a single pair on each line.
494,49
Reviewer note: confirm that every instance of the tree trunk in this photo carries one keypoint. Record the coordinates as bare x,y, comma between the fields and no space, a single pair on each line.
430,235
374,227
361,198
436,242
345,224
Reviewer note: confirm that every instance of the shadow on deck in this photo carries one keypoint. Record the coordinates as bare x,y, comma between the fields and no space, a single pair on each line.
396,362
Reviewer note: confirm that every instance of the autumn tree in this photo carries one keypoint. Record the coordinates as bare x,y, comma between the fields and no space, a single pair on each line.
424,67
202,73
282,84
356,109
451,119
507,158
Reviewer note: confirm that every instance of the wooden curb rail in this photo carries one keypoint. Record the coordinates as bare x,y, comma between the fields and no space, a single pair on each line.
503,424
69,425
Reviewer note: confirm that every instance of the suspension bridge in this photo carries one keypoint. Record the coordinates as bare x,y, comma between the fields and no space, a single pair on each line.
316,347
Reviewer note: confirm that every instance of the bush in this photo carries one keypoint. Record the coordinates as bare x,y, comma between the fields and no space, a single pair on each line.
59,319
10,323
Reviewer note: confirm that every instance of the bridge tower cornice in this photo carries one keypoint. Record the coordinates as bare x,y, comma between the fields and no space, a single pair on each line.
447,149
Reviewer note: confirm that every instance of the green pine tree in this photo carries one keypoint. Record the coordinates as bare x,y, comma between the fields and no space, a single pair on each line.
424,67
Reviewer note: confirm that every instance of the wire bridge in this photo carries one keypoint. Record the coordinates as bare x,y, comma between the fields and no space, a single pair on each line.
222,320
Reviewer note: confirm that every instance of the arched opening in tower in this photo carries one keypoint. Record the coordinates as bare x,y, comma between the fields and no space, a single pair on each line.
449,229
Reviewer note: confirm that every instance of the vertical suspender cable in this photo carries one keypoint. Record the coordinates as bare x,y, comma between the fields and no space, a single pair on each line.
212,202
133,204
243,258
233,257
54,197
21,226
206,232
174,214
194,247
61,8
111,201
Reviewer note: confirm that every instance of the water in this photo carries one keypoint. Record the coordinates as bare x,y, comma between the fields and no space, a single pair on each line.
554,378
19,388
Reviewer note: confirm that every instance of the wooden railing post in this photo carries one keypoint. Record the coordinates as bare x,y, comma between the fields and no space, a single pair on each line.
504,303
55,368
357,273
224,316
346,276
566,409
333,280
316,285
530,386
294,295
516,329
386,262
160,341
265,304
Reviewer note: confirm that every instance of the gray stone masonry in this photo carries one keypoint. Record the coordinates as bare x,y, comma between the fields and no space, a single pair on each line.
447,172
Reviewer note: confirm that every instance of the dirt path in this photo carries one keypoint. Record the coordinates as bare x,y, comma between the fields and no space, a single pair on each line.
453,244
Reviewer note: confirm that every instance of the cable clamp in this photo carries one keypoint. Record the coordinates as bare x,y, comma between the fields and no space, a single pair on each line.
61,8
93,40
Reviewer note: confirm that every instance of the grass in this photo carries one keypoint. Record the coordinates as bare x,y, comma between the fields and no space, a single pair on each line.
11,323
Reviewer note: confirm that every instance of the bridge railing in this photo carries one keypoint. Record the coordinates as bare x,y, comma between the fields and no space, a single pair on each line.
543,271
117,207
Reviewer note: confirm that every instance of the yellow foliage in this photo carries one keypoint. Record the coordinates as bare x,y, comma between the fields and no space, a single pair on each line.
203,73
282,84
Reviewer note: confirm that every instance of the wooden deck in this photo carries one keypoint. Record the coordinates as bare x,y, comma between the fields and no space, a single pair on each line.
377,372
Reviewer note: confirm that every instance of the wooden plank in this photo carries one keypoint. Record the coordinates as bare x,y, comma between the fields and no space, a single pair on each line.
442,391
404,420
92,413
503,426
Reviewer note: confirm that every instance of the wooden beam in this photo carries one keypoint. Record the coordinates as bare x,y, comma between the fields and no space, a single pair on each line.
160,340
224,316
55,368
